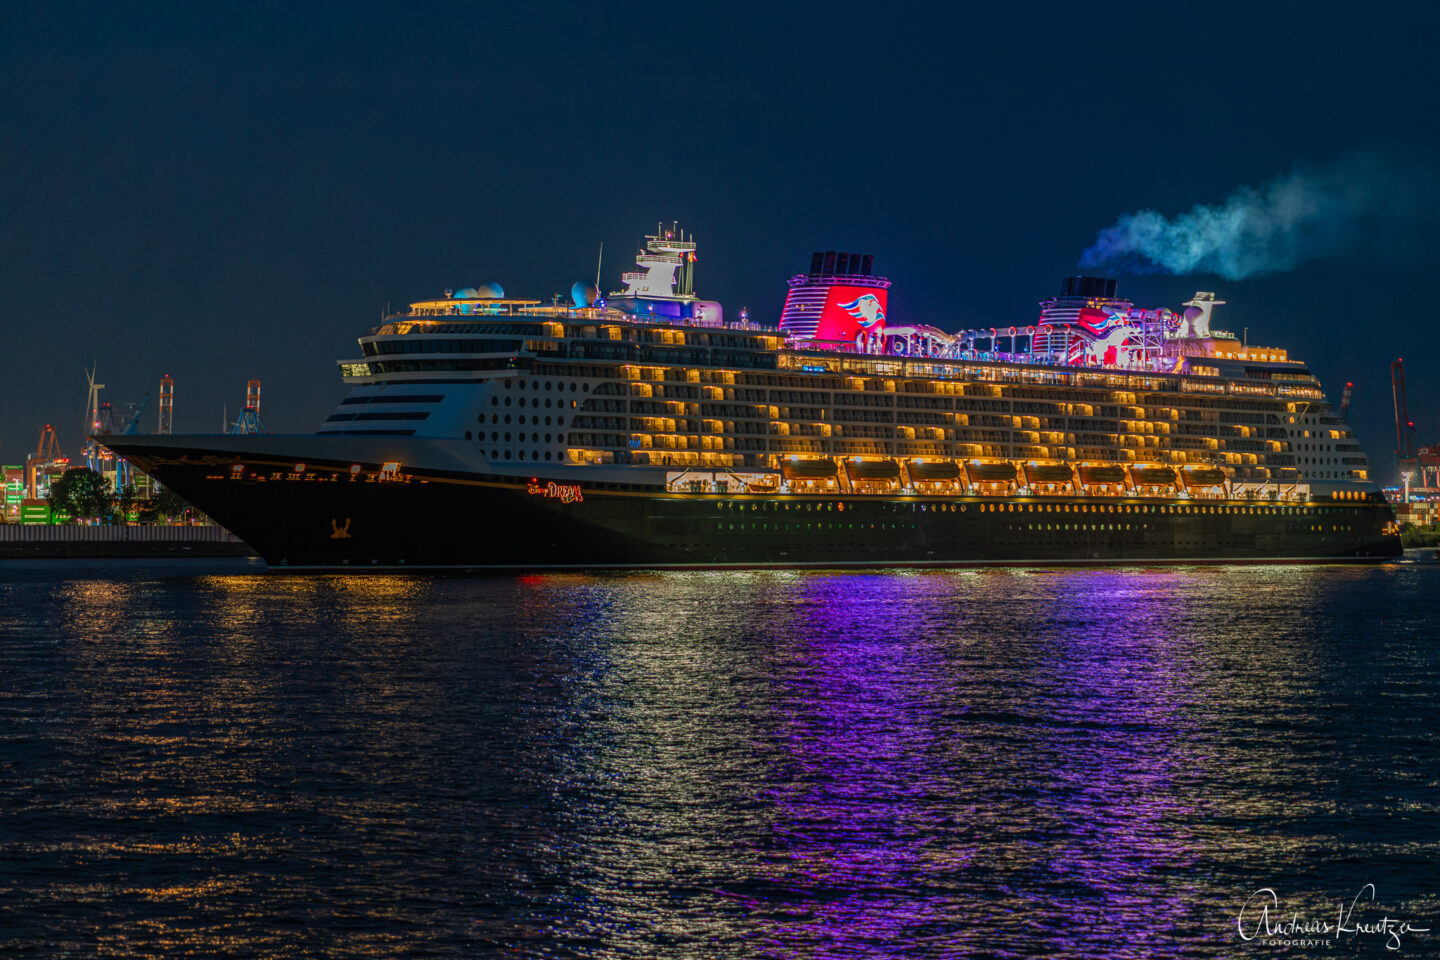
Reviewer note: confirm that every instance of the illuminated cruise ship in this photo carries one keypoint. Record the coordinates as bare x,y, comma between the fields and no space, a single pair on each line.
645,430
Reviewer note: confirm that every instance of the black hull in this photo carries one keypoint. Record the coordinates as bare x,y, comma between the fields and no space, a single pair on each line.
330,519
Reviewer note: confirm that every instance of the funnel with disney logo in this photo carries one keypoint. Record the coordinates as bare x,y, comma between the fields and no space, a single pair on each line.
850,311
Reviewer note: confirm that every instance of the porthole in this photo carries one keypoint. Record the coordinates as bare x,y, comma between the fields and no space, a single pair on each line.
507,438
494,401
522,384
467,434
507,401
547,421
522,418
507,418
547,438
507,384
522,454
522,401
535,454
547,454
560,421
494,454
494,418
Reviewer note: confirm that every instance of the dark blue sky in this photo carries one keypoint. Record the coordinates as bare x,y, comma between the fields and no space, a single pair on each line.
224,192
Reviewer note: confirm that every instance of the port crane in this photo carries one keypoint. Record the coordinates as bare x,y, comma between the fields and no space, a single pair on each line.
1422,464
133,424
49,446
249,420
47,461
1404,426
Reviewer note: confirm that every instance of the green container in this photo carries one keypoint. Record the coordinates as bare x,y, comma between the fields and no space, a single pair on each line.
32,514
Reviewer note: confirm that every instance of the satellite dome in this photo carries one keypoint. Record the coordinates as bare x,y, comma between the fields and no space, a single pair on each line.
584,293
489,291
466,293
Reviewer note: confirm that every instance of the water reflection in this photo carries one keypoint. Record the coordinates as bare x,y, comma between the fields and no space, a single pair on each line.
1021,763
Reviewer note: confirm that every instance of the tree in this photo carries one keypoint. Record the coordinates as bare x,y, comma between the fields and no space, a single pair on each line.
125,500
170,504
81,493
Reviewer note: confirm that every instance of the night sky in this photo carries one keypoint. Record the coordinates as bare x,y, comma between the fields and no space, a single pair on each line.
224,192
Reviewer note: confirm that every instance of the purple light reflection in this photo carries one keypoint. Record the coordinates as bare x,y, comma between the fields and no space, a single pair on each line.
855,817
1061,803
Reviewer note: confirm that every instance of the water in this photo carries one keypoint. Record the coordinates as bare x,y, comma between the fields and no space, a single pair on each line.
196,759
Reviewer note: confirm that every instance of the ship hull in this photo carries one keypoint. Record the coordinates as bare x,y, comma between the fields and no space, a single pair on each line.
334,515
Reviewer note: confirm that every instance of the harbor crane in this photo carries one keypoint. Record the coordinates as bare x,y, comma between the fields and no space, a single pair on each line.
133,424
49,446
249,420
1404,426
1422,463
167,404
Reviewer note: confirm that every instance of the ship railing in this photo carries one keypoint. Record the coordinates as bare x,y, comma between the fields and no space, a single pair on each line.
763,482
854,363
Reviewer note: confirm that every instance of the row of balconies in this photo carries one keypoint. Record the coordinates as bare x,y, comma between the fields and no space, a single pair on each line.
888,429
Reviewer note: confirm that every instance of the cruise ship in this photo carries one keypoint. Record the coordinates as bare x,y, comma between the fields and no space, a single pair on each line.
647,429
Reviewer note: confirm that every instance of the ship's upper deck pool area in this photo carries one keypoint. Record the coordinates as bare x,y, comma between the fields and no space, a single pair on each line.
561,324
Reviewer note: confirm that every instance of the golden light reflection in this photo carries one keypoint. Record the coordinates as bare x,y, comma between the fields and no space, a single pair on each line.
810,759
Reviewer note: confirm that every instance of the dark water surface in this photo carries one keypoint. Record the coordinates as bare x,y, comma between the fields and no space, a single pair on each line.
200,760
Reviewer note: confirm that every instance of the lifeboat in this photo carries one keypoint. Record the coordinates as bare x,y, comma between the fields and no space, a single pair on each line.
1049,473
1204,477
1153,476
925,471
872,469
992,472
1096,475
807,469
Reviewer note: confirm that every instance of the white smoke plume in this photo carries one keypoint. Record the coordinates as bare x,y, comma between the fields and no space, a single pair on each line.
1362,204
